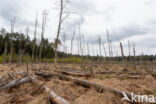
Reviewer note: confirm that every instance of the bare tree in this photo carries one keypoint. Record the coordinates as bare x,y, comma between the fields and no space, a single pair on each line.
78,50
22,49
134,59
72,44
88,49
92,49
123,57
111,48
5,51
104,49
99,41
108,40
61,19
44,20
80,41
20,56
83,41
64,45
129,50
34,41
11,48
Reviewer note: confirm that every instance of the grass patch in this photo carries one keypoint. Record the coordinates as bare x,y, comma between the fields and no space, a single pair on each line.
154,91
107,77
101,77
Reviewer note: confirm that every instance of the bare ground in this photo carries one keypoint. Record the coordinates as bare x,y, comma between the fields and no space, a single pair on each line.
27,93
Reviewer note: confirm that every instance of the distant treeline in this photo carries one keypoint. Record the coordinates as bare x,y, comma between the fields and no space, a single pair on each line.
23,42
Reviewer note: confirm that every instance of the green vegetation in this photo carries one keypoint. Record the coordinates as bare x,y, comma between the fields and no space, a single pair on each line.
154,91
101,77
107,77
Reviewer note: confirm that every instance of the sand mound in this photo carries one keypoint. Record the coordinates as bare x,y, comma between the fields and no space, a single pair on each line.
92,97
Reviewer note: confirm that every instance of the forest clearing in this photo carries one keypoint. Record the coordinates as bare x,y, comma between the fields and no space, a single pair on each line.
74,93
77,52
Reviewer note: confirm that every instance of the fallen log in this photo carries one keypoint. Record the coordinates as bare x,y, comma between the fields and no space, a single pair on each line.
3,78
13,67
53,96
45,74
75,74
98,87
106,72
14,83
131,76
154,75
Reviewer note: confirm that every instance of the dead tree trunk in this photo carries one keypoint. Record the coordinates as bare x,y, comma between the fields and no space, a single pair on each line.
134,60
72,45
11,48
20,56
5,52
108,39
129,50
123,57
34,41
99,41
64,46
104,49
53,96
59,28
14,83
44,19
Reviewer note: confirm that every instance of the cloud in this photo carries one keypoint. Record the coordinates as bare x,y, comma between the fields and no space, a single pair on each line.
119,34
150,2
14,8
128,31
81,6
74,23
9,9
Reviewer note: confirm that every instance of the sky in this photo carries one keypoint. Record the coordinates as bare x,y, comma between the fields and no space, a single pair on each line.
126,20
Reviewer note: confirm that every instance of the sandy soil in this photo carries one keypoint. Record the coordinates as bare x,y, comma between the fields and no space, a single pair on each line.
26,94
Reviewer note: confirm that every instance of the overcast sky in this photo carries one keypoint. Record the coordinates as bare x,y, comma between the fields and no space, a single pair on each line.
133,20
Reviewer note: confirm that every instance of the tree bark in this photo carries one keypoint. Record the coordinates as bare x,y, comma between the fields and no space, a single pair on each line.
14,83
5,52
11,48
53,96
58,31
123,57
34,41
